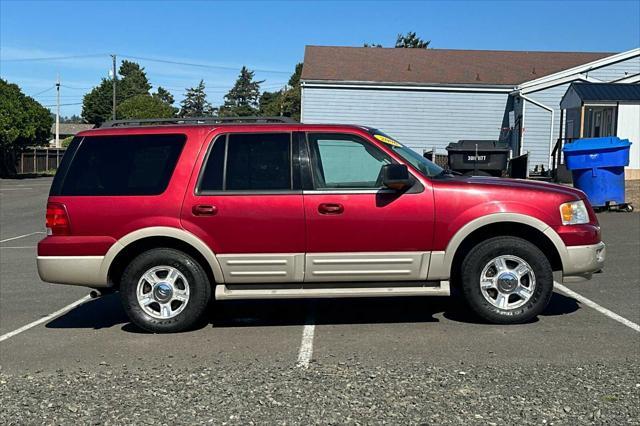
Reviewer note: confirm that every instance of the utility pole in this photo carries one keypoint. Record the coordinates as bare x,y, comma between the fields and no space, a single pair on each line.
113,113
58,112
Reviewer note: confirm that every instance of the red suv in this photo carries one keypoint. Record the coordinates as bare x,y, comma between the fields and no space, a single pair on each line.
175,213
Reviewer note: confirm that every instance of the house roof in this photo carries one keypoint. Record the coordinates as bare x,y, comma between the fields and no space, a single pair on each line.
71,128
436,66
606,92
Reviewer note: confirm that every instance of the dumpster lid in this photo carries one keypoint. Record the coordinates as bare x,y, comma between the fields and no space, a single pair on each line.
483,145
596,144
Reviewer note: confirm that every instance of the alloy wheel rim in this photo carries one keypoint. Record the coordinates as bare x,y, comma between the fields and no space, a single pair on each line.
507,282
163,292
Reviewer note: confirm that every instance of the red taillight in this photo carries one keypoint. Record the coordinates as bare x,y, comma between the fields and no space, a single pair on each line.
57,219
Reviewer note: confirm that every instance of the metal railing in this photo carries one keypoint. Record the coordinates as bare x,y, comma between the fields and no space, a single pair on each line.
556,154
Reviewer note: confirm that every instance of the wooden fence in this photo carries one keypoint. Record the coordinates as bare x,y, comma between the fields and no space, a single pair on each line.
39,160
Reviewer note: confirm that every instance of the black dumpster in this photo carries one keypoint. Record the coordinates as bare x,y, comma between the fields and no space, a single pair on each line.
478,157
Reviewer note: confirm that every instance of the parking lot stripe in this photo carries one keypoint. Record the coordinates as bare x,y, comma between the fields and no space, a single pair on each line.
19,247
21,236
306,346
45,318
590,303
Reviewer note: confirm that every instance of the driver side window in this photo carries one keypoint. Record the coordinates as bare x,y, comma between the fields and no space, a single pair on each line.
341,161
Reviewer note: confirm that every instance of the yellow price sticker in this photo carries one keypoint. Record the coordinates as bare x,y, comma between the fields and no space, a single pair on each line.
387,140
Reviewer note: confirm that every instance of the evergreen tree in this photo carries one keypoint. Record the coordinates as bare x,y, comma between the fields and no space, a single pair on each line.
270,104
195,103
97,104
284,102
243,98
144,106
164,95
134,80
411,41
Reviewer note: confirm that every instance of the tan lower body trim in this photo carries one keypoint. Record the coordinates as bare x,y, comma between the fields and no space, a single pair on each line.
262,268
379,266
76,270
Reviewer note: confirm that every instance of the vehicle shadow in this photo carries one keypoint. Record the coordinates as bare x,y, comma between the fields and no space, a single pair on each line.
107,312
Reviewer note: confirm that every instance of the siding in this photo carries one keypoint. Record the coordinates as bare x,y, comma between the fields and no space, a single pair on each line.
537,120
618,70
419,119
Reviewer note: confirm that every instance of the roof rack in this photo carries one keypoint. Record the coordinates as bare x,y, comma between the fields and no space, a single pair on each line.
196,120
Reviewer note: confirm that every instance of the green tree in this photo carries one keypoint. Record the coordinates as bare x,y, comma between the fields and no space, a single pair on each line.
23,122
243,98
144,106
195,102
164,95
284,102
412,41
97,104
270,103
291,98
134,80
371,45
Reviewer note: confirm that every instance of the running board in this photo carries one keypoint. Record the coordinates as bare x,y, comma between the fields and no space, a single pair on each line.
224,292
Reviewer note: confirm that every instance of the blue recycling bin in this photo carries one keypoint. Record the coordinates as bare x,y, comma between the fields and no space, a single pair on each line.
597,166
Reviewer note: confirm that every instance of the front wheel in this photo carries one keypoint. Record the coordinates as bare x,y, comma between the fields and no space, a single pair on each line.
507,280
165,290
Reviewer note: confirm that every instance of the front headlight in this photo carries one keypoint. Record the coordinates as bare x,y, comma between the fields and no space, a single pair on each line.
574,213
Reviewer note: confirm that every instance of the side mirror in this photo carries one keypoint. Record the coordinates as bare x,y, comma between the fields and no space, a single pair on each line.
396,176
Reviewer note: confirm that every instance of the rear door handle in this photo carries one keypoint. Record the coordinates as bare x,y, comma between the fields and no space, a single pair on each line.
330,208
204,210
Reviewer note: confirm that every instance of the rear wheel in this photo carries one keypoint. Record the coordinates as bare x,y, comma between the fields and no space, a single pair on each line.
165,290
507,280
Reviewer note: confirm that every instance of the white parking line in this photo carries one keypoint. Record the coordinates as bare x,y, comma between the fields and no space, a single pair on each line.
45,318
306,346
21,236
18,247
590,303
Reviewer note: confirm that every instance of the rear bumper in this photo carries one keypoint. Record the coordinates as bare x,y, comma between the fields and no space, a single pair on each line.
75,270
582,261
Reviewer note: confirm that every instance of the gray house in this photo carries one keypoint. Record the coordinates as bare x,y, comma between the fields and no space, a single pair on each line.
427,98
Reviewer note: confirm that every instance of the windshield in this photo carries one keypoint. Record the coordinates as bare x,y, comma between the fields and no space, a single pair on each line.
425,166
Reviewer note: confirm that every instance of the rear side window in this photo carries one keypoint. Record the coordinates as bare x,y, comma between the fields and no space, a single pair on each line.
122,165
248,162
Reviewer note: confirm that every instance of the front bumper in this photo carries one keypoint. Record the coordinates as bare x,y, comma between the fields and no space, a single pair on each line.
582,261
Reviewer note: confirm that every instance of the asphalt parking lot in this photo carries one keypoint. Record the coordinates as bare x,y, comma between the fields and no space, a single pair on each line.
395,360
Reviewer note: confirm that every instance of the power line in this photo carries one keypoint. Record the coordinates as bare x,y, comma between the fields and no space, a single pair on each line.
54,58
44,91
76,88
220,67
51,106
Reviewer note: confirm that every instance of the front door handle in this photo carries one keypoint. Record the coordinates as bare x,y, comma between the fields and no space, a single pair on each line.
330,208
204,210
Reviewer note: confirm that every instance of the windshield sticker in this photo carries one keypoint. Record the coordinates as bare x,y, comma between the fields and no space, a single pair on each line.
387,140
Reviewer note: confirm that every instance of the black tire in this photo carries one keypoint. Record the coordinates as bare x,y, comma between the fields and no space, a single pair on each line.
195,310
481,255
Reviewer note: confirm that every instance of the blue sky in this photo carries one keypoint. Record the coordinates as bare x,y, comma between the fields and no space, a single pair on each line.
270,36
